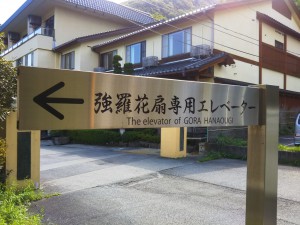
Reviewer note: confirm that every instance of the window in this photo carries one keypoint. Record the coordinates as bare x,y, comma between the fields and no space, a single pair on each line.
177,43
29,59
19,62
68,61
49,27
106,60
279,45
26,60
135,52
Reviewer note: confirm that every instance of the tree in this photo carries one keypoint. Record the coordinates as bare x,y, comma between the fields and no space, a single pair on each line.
297,2
128,68
8,84
116,64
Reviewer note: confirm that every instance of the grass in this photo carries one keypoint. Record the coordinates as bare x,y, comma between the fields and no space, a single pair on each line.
213,155
14,203
289,148
230,141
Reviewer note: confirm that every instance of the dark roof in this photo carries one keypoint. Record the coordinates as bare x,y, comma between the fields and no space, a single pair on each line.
94,37
184,66
104,6
115,9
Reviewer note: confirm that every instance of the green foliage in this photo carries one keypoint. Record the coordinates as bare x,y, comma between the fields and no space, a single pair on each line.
147,135
224,140
289,148
2,152
157,16
213,155
128,68
14,205
117,65
8,85
287,129
3,172
161,9
103,137
95,137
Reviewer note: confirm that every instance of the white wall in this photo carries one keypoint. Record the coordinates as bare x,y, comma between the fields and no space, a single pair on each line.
292,83
270,34
293,46
241,71
237,32
44,58
34,43
272,78
72,24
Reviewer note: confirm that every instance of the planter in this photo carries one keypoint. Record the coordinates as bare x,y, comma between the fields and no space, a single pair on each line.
241,152
61,140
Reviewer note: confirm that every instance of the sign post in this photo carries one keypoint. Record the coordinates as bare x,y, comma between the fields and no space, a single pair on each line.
51,99
262,161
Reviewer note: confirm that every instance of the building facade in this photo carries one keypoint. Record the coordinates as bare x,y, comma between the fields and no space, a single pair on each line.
40,26
242,42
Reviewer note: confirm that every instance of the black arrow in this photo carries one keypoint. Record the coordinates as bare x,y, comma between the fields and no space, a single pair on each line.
43,100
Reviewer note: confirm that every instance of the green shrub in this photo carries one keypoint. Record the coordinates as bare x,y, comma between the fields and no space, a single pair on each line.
102,137
94,137
2,152
289,148
287,130
3,173
14,203
116,64
128,68
147,135
224,140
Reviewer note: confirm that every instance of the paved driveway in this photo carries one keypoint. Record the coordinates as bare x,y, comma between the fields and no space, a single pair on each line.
101,185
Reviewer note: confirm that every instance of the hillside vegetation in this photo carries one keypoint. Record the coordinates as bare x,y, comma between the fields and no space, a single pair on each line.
165,9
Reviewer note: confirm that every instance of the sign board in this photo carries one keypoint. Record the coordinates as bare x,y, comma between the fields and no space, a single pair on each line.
64,99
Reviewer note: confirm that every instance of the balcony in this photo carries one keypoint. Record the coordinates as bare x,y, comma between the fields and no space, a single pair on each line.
40,31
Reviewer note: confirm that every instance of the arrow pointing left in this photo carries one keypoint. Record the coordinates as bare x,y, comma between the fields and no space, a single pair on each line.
43,100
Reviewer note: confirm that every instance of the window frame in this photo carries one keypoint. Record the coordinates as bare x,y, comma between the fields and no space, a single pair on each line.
28,61
104,59
68,61
186,43
142,52
279,45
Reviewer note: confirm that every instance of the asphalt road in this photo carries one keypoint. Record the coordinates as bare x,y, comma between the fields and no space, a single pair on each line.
100,185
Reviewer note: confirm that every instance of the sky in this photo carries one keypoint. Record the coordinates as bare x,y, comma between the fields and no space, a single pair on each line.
8,7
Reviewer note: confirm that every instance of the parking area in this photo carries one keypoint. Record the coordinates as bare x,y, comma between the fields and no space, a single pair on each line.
107,185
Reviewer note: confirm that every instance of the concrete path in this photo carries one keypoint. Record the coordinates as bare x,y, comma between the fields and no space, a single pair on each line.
101,185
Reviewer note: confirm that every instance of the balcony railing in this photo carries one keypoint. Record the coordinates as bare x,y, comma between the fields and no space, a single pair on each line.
40,31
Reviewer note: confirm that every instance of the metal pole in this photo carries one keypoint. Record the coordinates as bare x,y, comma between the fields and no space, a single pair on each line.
262,160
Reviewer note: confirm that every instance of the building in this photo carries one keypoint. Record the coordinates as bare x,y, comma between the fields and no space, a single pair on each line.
241,42
38,27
